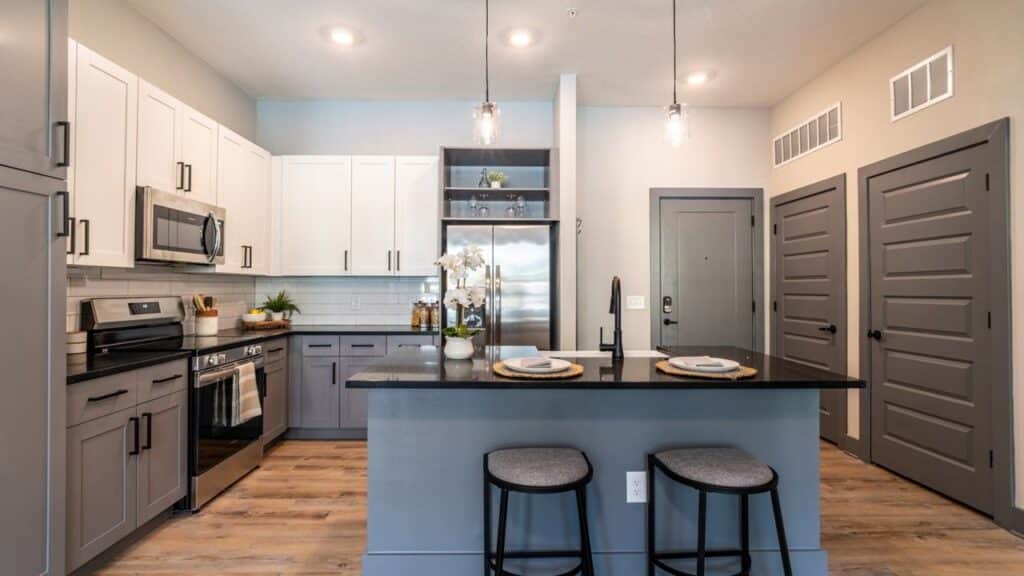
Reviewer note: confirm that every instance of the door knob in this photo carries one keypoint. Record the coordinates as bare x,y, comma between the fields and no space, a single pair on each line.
669,322
831,329
875,334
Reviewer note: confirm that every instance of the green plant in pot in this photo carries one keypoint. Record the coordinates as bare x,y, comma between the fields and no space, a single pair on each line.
496,179
280,306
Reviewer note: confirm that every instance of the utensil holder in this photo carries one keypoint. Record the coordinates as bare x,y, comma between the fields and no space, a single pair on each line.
207,323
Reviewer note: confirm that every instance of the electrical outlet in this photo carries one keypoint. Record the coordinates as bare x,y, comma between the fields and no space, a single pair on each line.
636,487
635,303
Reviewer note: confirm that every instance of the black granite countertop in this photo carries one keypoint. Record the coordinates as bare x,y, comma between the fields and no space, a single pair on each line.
81,367
427,368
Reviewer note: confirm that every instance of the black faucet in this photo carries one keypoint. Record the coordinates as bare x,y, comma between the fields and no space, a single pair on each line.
615,308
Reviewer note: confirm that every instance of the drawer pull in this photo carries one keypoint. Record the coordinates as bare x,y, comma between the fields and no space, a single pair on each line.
168,379
319,345
106,396
276,350
363,345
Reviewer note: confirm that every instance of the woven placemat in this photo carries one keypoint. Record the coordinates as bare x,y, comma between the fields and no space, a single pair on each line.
737,374
574,370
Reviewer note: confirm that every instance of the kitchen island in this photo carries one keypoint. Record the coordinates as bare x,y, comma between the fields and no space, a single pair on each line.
431,421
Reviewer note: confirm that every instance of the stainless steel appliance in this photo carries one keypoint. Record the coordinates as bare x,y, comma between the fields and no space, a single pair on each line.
221,452
173,228
520,278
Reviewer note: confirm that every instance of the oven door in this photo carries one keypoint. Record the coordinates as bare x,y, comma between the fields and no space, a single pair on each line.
171,228
213,438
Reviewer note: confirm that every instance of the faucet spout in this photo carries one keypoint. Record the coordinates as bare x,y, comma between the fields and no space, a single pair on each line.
615,308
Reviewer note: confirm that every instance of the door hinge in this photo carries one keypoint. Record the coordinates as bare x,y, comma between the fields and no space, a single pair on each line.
775,229
775,306
990,320
751,220
991,459
987,182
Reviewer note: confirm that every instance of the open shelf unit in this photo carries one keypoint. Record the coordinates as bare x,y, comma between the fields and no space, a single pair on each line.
525,195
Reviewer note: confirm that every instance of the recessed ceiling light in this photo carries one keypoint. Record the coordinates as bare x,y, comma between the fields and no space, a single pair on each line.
698,78
520,38
343,36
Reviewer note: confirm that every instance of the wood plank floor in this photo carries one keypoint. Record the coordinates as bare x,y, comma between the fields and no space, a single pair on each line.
304,512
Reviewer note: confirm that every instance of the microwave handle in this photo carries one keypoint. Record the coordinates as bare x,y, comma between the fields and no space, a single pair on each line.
211,255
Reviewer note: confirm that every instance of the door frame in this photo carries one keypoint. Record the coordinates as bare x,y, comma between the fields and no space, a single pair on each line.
756,198
995,134
837,182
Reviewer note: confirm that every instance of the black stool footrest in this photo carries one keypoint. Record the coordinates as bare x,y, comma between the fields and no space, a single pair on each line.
659,558
577,569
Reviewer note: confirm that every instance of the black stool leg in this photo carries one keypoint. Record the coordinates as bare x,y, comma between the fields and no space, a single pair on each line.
745,534
502,519
781,529
702,519
487,523
650,516
587,559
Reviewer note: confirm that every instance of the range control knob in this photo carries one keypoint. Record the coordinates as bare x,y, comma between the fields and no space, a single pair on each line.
212,360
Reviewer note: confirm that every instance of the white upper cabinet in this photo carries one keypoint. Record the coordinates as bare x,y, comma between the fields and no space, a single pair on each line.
104,108
199,156
416,215
256,184
159,145
231,197
315,215
373,215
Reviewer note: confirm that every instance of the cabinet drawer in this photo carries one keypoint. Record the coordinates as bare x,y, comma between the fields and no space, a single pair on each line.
320,345
94,399
363,346
162,379
396,343
275,351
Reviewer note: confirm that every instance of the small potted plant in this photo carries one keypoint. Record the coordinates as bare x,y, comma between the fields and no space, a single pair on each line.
280,305
459,296
496,179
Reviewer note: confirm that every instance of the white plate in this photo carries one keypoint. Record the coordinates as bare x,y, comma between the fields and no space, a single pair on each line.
704,364
557,365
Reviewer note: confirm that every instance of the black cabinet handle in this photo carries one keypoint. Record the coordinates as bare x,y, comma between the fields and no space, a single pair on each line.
135,424
168,379
180,184
346,260
71,244
334,373
65,162
66,213
106,396
362,345
398,260
274,350
669,322
188,187
389,260
85,250
875,334
319,345
831,328
149,431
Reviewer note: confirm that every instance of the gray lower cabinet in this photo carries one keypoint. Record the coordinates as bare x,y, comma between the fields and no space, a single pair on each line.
354,405
275,400
163,456
102,505
319,393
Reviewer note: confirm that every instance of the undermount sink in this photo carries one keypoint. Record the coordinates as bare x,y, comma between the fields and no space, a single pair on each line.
599,354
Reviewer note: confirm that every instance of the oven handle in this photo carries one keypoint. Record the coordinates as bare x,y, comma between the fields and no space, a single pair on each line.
204,379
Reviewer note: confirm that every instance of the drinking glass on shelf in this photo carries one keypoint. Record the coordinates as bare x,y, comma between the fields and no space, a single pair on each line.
483,212
520,206
511,212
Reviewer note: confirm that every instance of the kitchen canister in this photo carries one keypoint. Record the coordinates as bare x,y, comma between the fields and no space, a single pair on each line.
206,323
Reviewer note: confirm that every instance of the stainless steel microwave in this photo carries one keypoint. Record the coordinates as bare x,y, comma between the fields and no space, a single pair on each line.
173,228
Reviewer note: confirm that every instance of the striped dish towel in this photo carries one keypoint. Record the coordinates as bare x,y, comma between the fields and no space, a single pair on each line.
247,395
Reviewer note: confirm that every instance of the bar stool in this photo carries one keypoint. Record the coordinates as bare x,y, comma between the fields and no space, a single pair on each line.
536,471
720,470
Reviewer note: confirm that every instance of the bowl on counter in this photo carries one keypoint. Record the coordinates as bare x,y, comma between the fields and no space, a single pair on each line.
254,317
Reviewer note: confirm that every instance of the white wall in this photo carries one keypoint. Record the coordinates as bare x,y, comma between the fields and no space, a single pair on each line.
117,31
565,144
622,155
406,127
988,40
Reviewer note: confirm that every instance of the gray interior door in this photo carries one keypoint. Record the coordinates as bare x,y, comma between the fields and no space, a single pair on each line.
809,286
929,273
707,270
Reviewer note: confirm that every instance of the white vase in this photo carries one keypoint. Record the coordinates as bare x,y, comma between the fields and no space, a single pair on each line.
277,316
458,348
496,184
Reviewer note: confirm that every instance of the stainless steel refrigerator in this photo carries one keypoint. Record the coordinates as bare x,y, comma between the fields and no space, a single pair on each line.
519,274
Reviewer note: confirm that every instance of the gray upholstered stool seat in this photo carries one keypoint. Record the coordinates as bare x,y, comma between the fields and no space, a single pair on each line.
722,467
538,467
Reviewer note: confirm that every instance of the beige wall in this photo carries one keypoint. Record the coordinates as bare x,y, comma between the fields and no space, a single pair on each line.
114,29
988,40
621,156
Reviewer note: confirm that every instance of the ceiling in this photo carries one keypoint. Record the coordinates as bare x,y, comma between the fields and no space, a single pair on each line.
759,51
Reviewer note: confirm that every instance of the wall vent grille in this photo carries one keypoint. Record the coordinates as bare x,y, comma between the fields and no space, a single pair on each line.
923,84
812,134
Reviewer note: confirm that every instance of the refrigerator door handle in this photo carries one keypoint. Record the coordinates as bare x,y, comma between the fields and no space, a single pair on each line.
489,306
497,304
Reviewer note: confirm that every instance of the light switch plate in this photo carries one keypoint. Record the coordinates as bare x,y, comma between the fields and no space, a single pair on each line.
635,303
636,487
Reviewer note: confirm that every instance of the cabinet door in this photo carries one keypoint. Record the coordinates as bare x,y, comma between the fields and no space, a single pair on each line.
417,198
103,160
373,215
320,393
163,464
231,197
256,178
33,63
275,403
316,215
102,480
354,402
159,140
199,155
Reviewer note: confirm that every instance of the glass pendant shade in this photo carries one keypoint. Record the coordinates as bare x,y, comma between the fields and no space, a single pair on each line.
677,125
486,123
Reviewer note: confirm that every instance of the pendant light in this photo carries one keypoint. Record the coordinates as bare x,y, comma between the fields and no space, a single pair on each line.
486,116
677,125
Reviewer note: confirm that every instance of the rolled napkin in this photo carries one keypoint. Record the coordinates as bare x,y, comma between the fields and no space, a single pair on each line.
702,361
535,362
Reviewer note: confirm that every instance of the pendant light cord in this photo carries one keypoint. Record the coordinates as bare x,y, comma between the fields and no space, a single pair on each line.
487,45
675,74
